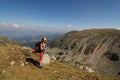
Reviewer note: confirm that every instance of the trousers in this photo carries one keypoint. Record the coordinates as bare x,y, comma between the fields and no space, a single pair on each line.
41,56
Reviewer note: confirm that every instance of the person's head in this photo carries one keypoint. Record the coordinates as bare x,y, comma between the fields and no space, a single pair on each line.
44,39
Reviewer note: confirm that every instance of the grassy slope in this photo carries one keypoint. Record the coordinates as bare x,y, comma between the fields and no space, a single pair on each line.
54,71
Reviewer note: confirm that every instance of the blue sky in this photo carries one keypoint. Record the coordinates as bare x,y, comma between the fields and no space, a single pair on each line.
74,14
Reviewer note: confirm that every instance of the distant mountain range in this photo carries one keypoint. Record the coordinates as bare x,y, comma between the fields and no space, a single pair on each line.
30,41
26,35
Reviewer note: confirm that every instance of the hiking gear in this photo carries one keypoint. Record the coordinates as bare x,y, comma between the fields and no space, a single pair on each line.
37,47
40,47
41,66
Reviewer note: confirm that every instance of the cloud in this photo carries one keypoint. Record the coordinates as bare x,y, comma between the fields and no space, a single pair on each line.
71,28
40,28
16,26
69,25
11,26
117,28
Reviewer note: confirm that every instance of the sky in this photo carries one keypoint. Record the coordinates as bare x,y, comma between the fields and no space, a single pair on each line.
60,15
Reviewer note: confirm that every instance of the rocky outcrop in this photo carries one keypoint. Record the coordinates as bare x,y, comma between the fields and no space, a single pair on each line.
98,48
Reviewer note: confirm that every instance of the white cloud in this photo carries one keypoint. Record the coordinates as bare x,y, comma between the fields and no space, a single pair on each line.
8,25
69,25
16,25
117,28
71,28
41,28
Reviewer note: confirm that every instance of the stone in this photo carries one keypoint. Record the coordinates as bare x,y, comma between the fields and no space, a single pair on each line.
12,63
22,64
46,59
87,69
3,71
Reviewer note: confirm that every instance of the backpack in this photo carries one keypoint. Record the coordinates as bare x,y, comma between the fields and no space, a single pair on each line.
37,47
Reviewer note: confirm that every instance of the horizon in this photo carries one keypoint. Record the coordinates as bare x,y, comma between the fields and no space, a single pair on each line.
59,15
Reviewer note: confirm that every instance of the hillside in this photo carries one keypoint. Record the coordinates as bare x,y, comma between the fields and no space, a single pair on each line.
17,63
97,48
14,66
30,40
4,41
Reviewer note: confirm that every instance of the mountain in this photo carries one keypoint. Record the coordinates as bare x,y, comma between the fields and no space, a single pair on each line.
30,41
35,38
97,48
26,36
17,63
5,41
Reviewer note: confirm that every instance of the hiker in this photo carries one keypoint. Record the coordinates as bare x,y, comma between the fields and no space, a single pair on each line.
40,48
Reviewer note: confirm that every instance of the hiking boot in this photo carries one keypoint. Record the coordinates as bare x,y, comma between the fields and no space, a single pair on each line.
37,64
41,66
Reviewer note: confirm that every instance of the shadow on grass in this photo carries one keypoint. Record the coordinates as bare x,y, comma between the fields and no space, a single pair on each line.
34,62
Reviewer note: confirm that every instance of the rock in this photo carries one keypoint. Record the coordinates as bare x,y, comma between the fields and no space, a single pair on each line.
46,59
81,67
53,57
7,57
22,57
22,64
3,71
51,61
55,71
12,63
28,48
87,69
26,63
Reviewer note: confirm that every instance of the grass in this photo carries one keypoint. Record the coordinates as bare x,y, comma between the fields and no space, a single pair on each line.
4,41
54,71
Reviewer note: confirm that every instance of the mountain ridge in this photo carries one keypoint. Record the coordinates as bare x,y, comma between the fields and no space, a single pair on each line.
91,47
5,41
14,65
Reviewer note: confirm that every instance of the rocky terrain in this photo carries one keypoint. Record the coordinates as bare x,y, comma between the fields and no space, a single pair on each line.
96,48
18,63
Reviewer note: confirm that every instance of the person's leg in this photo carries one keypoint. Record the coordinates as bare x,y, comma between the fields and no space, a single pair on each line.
41,58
